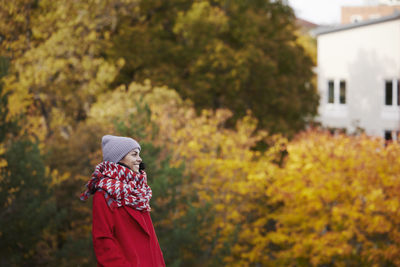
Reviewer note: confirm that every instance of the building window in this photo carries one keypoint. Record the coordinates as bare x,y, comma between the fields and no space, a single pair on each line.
342,93
392,92
337,92
388,136
398,92
389,93
331,92
356,18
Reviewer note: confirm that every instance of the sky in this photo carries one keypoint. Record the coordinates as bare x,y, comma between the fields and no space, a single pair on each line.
323,11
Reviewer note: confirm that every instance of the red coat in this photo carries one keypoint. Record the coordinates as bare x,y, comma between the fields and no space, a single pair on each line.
123,236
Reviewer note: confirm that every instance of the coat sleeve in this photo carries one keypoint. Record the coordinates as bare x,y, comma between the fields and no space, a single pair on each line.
106,247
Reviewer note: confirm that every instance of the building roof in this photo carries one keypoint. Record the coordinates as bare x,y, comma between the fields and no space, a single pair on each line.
306,24
330,29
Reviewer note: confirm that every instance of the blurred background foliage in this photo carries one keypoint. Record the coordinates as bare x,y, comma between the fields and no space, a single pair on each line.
219,94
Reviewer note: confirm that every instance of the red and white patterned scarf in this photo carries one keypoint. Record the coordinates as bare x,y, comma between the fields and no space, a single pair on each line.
121,186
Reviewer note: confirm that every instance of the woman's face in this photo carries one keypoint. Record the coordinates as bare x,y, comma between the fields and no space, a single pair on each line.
132,160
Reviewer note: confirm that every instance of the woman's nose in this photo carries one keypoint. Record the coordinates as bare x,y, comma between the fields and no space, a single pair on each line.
139,159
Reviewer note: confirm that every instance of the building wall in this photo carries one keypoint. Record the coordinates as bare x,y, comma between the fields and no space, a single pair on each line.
364,57
351,14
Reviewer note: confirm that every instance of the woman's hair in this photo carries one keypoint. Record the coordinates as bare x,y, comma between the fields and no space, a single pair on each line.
142,166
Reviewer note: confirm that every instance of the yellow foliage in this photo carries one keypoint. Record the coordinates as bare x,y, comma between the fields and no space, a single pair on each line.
224,169
203,17
331,200
56,71
3,162
342,201
56,177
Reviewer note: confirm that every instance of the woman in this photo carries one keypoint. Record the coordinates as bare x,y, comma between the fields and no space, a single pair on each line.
123,233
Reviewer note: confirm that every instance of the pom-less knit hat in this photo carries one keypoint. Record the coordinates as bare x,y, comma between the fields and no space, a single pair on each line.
116,147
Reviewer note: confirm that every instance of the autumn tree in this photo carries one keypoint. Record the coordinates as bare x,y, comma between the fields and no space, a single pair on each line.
340,202
227,175
240,55
5,124
77,70
57,67
331,201
220,54
27,212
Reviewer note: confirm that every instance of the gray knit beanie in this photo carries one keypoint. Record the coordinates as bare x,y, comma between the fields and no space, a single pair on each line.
116,147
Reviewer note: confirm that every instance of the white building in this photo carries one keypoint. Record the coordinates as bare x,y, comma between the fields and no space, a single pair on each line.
389,2
359,76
